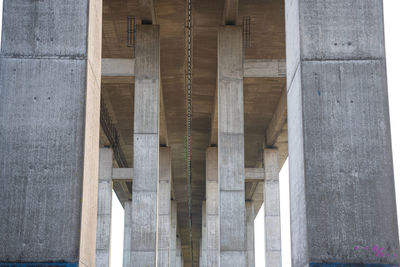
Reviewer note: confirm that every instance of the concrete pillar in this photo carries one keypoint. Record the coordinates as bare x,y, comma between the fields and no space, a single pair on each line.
146,146
104,205
49,119
126,260
250,252
341,173
178,252
203,243
164,208
231,146
272,220
212,207
172,249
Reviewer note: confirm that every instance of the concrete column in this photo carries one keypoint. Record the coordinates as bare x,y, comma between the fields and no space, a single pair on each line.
272,220
49,126
104,205
126,261
341,173
231,147
164,208
178,252
203,249
250,252
172,249
146,146
212,196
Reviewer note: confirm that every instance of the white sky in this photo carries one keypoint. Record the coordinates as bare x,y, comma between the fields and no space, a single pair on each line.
392,25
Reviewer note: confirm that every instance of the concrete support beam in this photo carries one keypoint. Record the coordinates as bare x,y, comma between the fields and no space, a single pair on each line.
119,67
126,261
49,121
146,146
104,205
252,68
272,221
174,222
203,250
126,174
250,252
265,68
277,122
164,207
231,12
212,207
231,146
341,171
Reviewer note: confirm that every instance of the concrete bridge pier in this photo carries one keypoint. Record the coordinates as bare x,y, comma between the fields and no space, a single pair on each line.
104,206
341,169
146,146
126,257
272,220
231,147
49,126
212,207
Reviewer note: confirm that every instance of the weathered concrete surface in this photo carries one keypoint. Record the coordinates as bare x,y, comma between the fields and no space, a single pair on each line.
231,146
49,125
172,239
146,147
250,252
126,260
272,220
341,173
104,205
212,207
203,252
164,207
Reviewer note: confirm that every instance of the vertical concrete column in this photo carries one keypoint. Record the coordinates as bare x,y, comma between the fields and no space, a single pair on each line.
126,260
104,205
231,146
172,248
203,250
146,146
178,252
250,252
272,220
212,200
49,126
164,208
341,173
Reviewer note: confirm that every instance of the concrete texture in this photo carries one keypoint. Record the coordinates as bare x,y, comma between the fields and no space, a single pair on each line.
272,220
172,240
212,207
250,252
145,140
126,257
104,205
231,147
164,208
203,251
49,130
341,173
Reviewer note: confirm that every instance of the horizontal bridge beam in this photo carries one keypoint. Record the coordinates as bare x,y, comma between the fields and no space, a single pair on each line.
256,68
126,174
